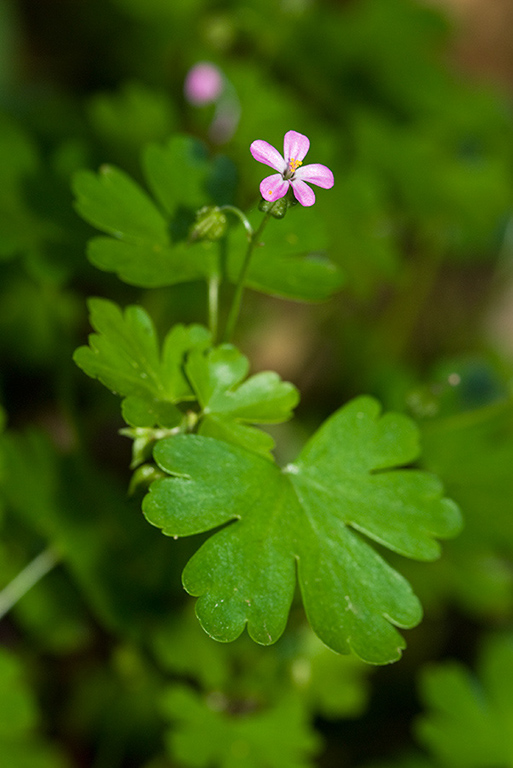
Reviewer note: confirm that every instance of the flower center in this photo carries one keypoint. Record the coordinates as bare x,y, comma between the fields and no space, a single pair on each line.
293,165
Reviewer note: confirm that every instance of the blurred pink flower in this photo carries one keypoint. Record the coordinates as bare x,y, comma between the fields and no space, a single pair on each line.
292,172
204,84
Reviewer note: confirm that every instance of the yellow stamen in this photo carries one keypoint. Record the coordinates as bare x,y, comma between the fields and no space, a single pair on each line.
294,164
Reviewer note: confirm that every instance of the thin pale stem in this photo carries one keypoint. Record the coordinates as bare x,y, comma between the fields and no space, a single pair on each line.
26,579
237,212
239,288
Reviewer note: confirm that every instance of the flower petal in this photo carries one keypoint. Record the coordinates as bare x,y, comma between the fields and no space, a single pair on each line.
295,145
273,187
302,192
266,153
315,173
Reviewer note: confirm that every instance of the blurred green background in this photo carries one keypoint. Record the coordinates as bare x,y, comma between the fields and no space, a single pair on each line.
409,103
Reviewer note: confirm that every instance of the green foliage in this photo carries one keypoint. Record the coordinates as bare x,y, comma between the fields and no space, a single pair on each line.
470,720
21,745
150,248
412,760
473,451
334,686
105,657
132,116
228,403
289,264
124,355
18,159
344,484
86,519
204,734
141,250
329,684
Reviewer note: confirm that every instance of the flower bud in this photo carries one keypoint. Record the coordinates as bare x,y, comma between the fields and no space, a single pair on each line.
204,84
278,208
210,224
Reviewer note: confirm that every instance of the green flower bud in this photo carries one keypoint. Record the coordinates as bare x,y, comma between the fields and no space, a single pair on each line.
210,224
280,207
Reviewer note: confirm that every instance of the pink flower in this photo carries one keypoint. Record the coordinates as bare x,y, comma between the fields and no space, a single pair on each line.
292,172
203,84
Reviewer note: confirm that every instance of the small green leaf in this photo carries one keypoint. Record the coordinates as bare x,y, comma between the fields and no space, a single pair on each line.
470,722
317,512
124,355
229,404
312,277
204,733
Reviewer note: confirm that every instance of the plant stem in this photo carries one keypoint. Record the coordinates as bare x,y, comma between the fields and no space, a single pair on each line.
233,315
237,212
26,579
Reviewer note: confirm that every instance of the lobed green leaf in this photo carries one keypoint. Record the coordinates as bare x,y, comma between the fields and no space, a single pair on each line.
315,513
230,404
147,245
124,355
112,202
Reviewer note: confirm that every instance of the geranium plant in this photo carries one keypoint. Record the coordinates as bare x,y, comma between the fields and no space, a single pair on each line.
195,420
255,344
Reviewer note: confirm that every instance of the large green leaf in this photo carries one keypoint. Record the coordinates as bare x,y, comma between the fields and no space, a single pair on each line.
124,355
345,486
230,404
